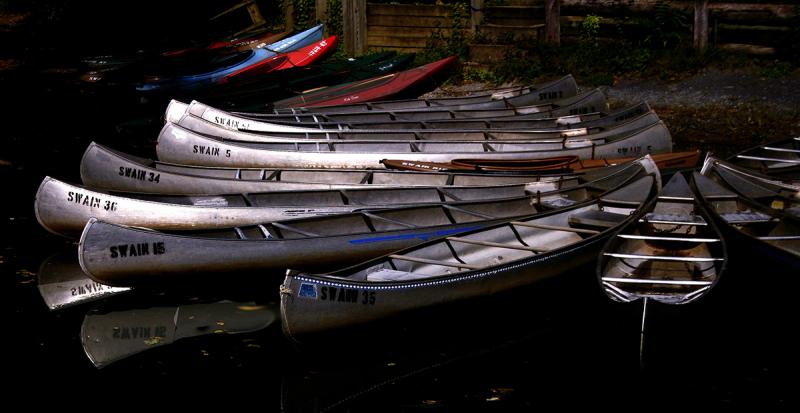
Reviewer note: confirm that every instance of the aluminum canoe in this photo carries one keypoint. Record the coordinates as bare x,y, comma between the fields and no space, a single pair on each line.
671,252
197,125
764,233
768,191
177,111
780,158
489,260
105,168
121,255
64,209
184,147
585,103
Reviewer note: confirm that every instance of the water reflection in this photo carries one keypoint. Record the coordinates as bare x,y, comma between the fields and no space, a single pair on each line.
113,336
63,284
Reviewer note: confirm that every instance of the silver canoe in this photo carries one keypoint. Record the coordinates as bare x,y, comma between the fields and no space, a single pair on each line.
232,121
762,231
672,252
586,103
184,147
62,283
110,337
120,255
205,127
767,191
64,209
502,257
780,158
104,168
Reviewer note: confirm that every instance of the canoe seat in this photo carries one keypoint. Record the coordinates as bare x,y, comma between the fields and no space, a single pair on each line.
386,274
673,219
557,202
596,219
746,217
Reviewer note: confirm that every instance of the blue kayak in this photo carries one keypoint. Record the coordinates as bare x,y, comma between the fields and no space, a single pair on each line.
248,58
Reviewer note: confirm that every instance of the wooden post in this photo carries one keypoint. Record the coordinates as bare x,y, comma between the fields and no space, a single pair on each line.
289,15
700,25
476,14
552,21
354,26
321,9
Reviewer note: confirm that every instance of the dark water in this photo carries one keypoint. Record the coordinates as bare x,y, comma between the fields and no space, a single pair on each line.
558,342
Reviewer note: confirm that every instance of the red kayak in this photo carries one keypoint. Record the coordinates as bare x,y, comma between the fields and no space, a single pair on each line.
298,58
392,86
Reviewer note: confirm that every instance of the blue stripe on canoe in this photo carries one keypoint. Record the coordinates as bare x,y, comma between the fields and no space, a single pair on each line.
423,236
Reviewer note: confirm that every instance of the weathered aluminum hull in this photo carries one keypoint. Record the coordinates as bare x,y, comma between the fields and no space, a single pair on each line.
64,209
176,111
205,127
192,149
120,255
447,270
675,262
103,168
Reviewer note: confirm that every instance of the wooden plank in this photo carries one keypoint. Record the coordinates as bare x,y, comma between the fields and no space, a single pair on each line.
398,41
405,21
321,10
405,31
407,10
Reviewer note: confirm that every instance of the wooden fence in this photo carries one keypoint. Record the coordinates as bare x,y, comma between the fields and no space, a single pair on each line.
752,27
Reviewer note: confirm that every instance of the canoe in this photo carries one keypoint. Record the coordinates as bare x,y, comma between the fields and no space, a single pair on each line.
767,191
502,257
193,124
63,284
303,56
411,82
523,96
586,103
251,58
671,252
252,93
780,158
183,147
764,233
558,164
534,107
237,122
111,70
204,119
121,255
63,208
104,168
110,337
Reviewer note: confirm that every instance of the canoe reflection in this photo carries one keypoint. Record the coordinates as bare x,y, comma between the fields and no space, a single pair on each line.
63,284
113,336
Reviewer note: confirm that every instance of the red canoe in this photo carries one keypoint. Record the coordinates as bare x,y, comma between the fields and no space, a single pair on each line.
384,87
298,58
